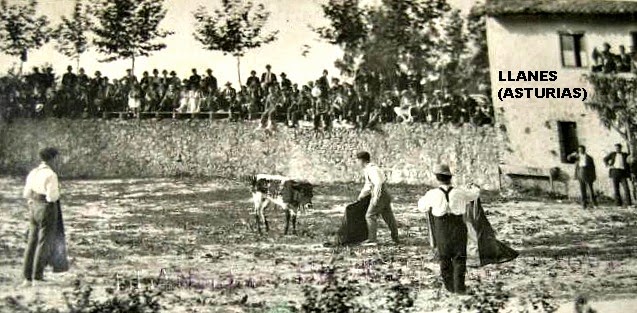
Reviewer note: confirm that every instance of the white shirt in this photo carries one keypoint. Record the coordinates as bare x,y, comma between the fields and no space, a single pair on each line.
582,160
42,181
374,180
459,197
619,161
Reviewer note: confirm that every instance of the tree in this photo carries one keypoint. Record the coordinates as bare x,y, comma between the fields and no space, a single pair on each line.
390,39
127,29
21,29
72,34
615,101
478,62
235,29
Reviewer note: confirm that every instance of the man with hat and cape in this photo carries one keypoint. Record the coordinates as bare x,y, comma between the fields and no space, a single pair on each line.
455,215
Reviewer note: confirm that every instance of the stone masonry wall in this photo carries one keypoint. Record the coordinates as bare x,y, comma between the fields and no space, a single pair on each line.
156,148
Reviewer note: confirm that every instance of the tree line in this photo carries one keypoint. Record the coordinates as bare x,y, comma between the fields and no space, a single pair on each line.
417,41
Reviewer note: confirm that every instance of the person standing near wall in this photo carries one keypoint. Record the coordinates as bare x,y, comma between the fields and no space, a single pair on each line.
380,202
447,204
619,172
46,243
585,174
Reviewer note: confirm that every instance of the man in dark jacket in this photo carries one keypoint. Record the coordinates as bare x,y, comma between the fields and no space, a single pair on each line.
619,173
585,174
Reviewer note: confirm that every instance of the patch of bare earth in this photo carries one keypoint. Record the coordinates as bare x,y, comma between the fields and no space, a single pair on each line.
196,237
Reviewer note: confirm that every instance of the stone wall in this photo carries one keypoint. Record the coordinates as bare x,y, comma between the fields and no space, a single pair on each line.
152,148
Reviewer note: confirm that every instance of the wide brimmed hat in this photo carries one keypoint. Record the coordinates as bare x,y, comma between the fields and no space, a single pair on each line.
442,169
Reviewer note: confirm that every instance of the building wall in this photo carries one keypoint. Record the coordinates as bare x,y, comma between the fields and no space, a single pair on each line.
532,43
152,148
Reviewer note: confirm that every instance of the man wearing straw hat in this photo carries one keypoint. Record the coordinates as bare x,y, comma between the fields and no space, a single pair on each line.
447,205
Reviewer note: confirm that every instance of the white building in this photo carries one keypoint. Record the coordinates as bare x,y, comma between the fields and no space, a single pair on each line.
544,35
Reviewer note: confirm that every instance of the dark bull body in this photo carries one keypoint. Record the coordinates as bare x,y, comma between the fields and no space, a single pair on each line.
289,194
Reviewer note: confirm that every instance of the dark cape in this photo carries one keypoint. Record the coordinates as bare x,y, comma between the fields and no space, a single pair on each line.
58,258
353,227
490,249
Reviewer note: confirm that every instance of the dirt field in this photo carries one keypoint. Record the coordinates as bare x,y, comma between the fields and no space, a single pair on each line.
171,229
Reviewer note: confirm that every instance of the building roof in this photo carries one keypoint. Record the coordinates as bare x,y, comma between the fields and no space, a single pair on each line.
561,7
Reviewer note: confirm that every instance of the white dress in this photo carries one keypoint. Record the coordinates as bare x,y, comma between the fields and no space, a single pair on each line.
133,101
193,101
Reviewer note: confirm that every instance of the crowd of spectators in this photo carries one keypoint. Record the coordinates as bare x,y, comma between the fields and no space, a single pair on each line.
271,98
607,62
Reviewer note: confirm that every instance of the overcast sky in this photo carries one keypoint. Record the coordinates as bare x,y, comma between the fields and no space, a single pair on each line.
290,17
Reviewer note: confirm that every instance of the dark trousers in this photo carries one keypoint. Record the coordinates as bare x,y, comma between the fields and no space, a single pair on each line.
620,179
382,208
586,187
43,222
450,232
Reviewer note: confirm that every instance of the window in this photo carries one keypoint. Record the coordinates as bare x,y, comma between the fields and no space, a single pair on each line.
571,48
633,37
567,132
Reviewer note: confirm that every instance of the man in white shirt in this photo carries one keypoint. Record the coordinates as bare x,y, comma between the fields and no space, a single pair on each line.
447,205
380,200
619,172
42,193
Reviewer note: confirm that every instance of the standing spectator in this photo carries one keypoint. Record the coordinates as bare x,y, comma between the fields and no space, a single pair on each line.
268,78
82,78
286,84
155,79
69,79
174,79
130,78
146,81
322,108
585,174
619,173
446,206
164,80
210,81
48,78
194,79
253,79
323,83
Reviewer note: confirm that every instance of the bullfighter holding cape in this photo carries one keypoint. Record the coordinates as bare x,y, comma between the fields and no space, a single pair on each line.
456,220
46,241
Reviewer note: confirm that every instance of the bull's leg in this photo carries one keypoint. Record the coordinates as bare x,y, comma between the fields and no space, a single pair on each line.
294,211
258,222
262,219
257,199
287,221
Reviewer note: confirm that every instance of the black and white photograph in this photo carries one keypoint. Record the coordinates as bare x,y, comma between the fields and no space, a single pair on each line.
318,156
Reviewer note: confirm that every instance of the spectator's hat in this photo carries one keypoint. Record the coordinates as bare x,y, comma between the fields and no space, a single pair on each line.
442,169
283,74
228,84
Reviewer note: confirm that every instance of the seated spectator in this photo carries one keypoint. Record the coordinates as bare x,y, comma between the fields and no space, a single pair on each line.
624,60
608,60
273,102
134,99
407,104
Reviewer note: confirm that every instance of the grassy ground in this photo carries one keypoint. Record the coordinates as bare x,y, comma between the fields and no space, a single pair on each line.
169,229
